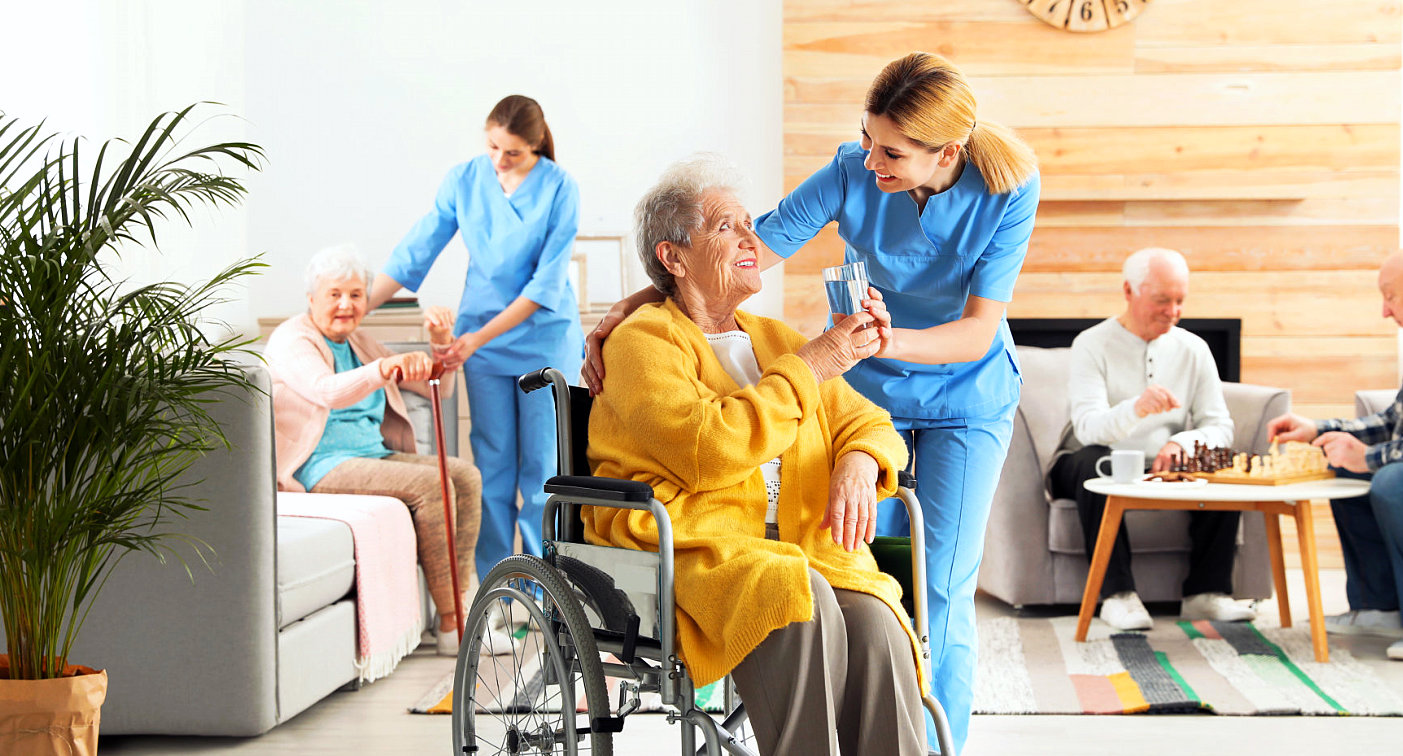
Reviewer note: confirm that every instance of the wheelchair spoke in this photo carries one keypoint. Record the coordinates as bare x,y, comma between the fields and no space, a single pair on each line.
524,702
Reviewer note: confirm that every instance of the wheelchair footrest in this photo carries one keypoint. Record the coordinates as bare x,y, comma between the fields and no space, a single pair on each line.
606,724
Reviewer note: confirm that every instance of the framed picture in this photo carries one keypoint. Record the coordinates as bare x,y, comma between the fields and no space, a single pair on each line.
601,273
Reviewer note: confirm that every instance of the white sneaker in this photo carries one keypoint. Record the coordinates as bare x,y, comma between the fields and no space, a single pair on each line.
1366,622
447,642
1215,606
1395,650
1123,611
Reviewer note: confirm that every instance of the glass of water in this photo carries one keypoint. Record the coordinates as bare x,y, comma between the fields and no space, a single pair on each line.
846,286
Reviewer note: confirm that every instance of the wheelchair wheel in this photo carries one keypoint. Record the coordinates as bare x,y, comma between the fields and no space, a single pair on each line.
522,700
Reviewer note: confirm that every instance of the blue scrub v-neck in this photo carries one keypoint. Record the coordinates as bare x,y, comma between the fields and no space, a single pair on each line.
517,246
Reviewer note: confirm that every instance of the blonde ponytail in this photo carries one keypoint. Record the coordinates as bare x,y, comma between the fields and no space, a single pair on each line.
932,105
1005,161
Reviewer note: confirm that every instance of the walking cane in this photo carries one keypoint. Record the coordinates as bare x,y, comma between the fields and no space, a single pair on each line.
443,484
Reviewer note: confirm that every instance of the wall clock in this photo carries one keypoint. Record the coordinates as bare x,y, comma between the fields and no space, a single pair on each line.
1085,15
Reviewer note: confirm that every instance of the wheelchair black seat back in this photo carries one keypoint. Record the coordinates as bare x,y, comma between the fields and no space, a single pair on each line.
582,612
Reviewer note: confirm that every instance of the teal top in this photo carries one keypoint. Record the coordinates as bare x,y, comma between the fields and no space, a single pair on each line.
350,432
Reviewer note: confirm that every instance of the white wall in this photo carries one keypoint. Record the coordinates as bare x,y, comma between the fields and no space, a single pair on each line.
363,106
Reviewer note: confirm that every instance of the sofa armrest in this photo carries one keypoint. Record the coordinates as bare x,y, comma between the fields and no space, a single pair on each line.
1252,407
199,656
1372,401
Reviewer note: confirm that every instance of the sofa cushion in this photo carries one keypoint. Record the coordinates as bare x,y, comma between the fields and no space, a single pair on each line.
1043,403
316,566
1372,401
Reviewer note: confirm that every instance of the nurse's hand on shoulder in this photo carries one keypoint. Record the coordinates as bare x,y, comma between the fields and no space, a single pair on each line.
593,370
852,500
836,350
407,366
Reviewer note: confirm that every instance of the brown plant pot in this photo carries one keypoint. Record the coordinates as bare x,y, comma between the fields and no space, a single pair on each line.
56,717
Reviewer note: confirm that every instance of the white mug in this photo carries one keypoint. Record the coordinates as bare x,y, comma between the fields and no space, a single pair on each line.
1127,465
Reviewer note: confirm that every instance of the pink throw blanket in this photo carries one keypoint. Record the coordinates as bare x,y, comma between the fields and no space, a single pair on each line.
388,617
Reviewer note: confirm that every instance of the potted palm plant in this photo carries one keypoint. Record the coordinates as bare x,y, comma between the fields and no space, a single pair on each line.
103,395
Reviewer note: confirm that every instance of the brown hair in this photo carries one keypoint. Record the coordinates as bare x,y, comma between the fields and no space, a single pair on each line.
932,105
521,116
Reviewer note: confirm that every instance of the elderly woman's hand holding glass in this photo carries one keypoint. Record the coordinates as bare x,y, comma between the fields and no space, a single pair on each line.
771,467
341,425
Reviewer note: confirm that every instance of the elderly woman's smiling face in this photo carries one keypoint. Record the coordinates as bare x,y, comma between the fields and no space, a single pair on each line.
721,267
337,306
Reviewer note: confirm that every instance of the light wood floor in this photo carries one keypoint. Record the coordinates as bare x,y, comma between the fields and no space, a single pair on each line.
373,721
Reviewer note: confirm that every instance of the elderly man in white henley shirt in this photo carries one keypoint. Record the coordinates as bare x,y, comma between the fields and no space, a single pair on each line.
1139,382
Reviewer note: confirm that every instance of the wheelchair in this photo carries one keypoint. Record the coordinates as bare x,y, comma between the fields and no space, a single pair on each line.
589,611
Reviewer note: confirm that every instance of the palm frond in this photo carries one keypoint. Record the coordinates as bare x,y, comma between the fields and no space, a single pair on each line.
105,402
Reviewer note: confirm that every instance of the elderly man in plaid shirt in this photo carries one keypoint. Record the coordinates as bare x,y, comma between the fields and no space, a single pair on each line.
1370,527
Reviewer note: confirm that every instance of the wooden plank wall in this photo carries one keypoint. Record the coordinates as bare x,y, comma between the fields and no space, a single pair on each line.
1258,137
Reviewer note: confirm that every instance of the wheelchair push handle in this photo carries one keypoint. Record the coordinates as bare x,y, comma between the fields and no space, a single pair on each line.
538,379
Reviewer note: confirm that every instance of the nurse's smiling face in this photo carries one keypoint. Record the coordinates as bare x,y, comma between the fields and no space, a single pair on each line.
511,155
337,306
899,164
720,269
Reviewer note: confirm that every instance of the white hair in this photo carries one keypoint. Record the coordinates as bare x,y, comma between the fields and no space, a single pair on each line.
1137,266
334,264
671,210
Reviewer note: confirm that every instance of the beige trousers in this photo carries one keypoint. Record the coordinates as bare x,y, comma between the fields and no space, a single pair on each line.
843,682
413,479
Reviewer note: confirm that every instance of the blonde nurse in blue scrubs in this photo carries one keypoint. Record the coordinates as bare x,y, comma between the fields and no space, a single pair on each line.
517,212
940,207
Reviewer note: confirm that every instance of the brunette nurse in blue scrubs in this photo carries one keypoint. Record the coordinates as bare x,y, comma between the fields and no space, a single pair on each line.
517,212
940,208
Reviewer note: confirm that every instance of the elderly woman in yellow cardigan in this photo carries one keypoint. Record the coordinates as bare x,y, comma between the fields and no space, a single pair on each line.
771,467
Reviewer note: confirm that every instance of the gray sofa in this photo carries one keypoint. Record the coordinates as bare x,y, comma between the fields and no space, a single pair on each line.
1372,401
1034,549
265,633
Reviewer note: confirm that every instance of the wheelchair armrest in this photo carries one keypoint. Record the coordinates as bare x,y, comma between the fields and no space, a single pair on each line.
612,489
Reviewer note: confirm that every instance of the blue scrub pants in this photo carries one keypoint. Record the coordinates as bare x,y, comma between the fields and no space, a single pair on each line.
957,466
513,440
1371,538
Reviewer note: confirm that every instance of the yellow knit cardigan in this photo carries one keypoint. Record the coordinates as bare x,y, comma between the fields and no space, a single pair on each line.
670,416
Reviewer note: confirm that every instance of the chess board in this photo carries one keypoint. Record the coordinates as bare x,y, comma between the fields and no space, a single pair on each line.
1229,476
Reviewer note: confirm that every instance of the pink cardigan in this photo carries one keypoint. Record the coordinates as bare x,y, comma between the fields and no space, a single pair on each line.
306,387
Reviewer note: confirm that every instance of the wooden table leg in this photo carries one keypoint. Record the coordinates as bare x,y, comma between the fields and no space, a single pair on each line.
1278,566
1305,527
1105,541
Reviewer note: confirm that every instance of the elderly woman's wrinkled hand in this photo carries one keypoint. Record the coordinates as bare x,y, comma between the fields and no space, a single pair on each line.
852,500
836,350
407,366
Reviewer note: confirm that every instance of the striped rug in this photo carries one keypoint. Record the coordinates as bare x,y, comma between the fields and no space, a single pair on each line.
1033,666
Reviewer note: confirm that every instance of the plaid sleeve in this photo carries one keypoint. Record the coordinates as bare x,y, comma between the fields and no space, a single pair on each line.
1380,430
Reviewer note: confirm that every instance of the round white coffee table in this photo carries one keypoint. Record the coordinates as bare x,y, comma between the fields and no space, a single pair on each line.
1293,500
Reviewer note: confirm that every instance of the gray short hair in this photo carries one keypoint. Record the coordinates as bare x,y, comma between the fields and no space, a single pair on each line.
671,210
334,263
1137,266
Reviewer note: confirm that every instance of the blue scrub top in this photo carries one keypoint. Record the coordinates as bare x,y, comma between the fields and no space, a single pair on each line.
517,246
926,264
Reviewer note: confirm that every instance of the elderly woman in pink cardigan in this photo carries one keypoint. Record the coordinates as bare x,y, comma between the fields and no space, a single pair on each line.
341,425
